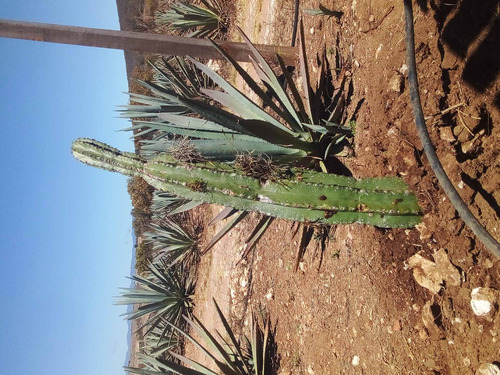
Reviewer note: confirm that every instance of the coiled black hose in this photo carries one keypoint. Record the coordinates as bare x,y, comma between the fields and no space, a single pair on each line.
464,212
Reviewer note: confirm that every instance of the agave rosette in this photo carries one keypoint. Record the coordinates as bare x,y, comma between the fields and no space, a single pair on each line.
287,131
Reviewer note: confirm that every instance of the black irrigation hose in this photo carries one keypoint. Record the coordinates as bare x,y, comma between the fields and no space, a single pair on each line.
464,212
295,22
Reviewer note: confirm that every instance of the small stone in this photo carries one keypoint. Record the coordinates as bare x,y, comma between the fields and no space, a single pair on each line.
466,362
484,301
378,50
270,294
372,18
425,233
310,370
311,30
469,146
403,70
446,134
488,369
355,360
396,83
396,326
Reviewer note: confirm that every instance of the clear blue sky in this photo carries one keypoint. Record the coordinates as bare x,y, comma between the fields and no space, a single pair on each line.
65,227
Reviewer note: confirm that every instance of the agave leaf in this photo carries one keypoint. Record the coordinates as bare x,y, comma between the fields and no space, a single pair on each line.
275,135
256,234
185,207
238,95
295,92
258,90
305,73
216,350
193,364
196,123
272,81
224,214
230,333
214,114
230,225
174,79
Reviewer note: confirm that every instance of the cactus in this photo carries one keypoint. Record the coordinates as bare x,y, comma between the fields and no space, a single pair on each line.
305,196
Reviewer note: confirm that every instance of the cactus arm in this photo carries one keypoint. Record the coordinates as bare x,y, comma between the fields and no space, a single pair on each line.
101,155
306,196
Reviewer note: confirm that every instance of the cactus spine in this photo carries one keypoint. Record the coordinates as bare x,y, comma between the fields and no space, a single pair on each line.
305,196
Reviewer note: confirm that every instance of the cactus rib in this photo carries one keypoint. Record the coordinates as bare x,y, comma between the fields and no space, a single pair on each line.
304,196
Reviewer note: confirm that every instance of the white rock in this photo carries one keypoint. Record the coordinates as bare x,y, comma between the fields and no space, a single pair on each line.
270,294
488,369
483,301
355,360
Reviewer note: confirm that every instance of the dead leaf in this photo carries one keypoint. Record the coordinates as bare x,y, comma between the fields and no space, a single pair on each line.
446,269
425,273
432,275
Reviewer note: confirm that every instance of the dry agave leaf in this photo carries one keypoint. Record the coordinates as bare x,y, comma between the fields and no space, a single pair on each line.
432,275
425,273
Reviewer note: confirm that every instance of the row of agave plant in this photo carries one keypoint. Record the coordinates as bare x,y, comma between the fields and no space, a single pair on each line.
163,296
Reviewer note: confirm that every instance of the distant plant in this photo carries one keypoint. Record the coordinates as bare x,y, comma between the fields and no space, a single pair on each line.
163,294
143,256
324,11
141,195
250,356
199,21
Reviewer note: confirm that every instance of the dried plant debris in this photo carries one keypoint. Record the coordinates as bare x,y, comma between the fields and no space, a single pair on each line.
432,275
260,166
185,151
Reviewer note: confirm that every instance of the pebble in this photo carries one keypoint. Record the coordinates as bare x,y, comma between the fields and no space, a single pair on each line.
488,369
355,360
483,302
446,134
396,83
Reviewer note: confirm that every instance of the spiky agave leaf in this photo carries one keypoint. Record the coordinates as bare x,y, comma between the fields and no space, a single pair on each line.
170,241
163,294
230,356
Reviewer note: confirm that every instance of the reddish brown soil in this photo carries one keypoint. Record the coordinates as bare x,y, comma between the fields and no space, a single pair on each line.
356,300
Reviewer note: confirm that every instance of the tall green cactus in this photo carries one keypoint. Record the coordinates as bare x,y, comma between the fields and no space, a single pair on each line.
303,196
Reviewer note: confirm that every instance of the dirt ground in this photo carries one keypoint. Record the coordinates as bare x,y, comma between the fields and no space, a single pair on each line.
355,306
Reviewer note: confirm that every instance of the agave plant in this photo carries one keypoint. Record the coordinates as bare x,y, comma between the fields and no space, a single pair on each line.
324,11
280,125
157,344
250,356
206,21
164,295
170,242
166,204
